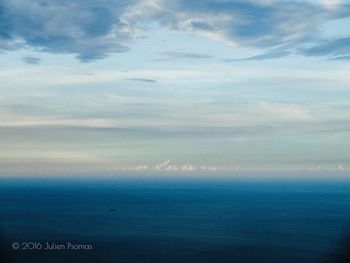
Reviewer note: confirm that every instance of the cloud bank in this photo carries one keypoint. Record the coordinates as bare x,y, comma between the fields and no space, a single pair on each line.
94,29
88,29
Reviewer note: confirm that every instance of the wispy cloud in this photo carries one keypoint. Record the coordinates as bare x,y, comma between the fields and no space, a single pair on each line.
262,24
285,112
38,76
270,54
338,48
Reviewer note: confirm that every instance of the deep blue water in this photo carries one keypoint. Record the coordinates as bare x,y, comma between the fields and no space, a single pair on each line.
176,220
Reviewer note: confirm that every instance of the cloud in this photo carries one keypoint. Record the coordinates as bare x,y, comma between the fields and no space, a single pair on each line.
90,30
94,29
270,54
267,25
185,55
334,168
143,80
263,24
191,168
139,168
188,168
31,60
166,166
345,58
142,167
285,112
338,48
209,168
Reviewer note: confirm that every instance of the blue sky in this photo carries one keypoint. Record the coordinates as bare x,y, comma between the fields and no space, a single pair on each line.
174,85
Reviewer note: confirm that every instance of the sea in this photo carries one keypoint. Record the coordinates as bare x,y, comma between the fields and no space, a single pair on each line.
173,220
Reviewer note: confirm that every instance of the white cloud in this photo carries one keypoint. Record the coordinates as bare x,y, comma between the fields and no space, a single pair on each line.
166,166
208,168
142,167
169,166
212,168
340,167
188,167
334,168
139,168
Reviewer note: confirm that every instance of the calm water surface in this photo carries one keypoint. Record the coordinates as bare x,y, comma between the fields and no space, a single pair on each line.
175,220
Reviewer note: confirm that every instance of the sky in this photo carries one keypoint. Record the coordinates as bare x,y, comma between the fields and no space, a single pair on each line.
165,85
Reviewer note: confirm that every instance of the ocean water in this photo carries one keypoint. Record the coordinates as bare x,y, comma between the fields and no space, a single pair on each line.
174,220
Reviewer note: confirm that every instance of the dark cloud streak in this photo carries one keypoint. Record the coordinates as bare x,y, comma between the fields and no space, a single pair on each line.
31,60
143,80
186,55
